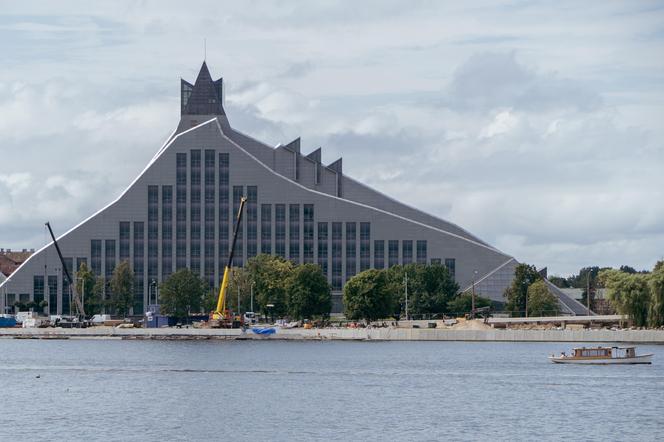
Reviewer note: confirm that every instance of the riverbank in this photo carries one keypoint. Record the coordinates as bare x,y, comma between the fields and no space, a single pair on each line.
346,334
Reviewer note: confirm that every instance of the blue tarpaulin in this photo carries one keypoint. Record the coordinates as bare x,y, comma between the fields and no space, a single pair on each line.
264,331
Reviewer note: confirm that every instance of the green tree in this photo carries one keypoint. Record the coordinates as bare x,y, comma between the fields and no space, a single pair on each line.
85,284
524,276
122,289
541,302
269,275
463,303
96,302
430,288
559,281
182,293
656,286
395,278
628,293
367,296
308,293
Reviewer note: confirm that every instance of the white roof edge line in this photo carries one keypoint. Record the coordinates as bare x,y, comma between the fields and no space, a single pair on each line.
490,273
165,146
355,202
411,207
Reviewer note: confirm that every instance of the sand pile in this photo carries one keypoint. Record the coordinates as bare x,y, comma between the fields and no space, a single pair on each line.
474,324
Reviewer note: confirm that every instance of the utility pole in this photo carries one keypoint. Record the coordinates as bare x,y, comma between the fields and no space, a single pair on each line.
406,292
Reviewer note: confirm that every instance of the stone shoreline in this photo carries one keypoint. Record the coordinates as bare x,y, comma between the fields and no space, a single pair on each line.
345,334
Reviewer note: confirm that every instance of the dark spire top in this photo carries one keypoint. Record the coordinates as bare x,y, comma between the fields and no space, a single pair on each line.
204,97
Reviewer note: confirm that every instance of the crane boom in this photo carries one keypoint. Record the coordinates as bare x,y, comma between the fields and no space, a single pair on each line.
220,311
77,300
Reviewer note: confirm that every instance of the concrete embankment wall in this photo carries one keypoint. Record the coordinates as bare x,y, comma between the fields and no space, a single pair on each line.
371,334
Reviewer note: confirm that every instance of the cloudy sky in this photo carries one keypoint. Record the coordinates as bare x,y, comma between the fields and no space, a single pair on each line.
537,126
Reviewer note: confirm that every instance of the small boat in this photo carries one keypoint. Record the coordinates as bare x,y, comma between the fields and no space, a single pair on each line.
602,356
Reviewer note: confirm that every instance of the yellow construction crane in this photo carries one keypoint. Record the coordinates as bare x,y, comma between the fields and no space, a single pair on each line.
221,317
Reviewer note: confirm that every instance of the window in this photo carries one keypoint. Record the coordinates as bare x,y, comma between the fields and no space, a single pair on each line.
124,240
266,228
351,250
153,231
166,231
252,221
139,253
224,213
392,252
365,246
109,261
379,254
407,251
322,247
336,255
308,227
280,229
95,256
209,235
38,288
53,294
294,233
421,251
195,212
450,264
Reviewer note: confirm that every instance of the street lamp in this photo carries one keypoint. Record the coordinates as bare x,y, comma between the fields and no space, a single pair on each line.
79,278
405,281
472,311
153,286
252,295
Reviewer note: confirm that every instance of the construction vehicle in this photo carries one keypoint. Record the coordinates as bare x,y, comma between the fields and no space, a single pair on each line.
80,310
221,316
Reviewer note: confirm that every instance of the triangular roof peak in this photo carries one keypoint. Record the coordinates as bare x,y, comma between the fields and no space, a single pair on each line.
204,97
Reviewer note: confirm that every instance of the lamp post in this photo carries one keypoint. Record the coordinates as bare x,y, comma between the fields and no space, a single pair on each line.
252,295
405,282
153,286
472,310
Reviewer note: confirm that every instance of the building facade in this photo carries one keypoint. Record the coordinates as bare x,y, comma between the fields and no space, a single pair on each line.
179,213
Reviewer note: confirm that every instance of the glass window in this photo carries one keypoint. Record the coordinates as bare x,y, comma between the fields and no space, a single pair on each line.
407,251
308,229
392,252
266,228
322,246
450,263
351,250
422,251
336,255
280,229
365,246
294,233
379,254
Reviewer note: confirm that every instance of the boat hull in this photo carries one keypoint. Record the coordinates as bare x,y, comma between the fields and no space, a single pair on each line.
640,359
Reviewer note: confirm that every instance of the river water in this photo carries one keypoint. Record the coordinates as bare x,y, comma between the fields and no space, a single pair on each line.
249,390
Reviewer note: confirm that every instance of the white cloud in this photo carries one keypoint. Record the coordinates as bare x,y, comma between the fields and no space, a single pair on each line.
536,126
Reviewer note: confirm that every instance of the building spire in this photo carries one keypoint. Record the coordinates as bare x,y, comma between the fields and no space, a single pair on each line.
204,97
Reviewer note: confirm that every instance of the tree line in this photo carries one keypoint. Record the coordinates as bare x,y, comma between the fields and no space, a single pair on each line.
379,294
528,295
639,295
